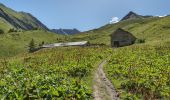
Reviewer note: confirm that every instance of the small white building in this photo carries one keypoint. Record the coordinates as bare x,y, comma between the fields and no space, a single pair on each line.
81,43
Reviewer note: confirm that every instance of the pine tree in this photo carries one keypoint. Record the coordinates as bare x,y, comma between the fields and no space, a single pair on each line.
32,46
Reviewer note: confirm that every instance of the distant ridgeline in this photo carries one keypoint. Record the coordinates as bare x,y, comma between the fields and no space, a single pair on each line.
133,15
66,31
11,19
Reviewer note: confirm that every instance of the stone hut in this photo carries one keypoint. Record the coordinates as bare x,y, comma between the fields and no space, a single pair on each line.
121,38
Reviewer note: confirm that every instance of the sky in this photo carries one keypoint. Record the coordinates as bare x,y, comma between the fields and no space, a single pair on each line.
86,14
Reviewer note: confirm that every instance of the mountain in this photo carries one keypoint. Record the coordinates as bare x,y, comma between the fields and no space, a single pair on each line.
18,20
66,31
25,28
15,43
152,29
133,15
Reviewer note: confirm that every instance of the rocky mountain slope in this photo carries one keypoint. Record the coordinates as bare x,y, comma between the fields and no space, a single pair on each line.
133,15
18,20
66,31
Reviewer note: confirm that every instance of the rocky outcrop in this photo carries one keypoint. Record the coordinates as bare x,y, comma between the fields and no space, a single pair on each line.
133,15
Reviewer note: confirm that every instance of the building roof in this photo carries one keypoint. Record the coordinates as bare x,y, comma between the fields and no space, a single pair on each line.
120,30
81,43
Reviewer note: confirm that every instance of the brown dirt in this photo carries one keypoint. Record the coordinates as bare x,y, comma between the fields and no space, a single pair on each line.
102,87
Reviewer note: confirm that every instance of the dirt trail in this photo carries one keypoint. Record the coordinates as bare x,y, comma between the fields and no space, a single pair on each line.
102,87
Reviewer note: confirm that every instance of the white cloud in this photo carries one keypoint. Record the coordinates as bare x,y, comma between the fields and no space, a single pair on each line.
114,20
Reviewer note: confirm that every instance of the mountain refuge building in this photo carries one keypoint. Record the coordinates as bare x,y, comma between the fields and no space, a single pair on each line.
121,38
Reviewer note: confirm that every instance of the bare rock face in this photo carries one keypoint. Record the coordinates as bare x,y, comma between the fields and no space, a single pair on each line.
66,31
133,15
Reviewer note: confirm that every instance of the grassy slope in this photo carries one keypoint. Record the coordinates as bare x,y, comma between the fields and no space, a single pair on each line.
23,19
4,25
51,73
141,71
149,29
156,31
14,43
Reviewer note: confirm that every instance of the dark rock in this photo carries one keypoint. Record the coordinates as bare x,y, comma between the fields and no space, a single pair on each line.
66,31
133,15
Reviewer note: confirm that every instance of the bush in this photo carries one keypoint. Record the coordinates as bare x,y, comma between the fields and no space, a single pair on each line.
41,44
140,41
35,28
12,30
1,31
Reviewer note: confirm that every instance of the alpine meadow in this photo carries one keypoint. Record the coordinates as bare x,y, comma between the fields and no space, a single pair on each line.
128,59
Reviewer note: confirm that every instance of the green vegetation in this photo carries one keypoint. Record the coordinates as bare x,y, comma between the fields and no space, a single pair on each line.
32,46
61,73
4,25
151,29
12,30
140,41
11,19
1,31
141,71
14,38
17,42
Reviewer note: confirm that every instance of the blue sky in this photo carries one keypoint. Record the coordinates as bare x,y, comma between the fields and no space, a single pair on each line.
86,14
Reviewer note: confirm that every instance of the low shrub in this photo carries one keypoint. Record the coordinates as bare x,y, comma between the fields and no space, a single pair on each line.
140,41
1,31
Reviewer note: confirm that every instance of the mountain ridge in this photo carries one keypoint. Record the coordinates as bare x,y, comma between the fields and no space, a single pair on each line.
66,31
132,15
19,20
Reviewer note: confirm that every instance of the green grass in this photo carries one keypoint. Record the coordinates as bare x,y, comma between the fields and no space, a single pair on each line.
141,71
14,43
18,20
151,29
4,25
36,75
58,73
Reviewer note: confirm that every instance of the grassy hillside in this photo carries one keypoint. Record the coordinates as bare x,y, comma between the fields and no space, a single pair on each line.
58,73
151,29
14,43
138,72
4,25
141,72
10,18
